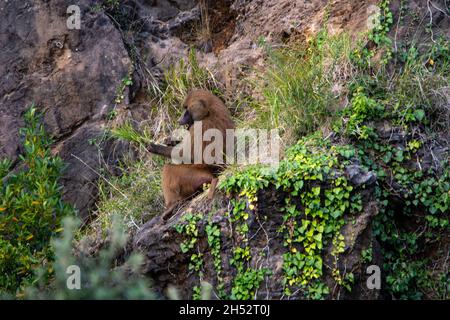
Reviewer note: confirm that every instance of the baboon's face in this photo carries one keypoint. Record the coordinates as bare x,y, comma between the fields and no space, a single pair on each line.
195,110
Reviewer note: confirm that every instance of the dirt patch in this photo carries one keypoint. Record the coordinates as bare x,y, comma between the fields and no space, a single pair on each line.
223,23
214,30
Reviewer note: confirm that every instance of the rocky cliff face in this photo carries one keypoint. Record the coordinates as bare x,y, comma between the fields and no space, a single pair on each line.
71,75
74,75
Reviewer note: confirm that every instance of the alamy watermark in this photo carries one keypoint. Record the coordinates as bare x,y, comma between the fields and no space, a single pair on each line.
374,280
240,146
374,14
74,20
73,281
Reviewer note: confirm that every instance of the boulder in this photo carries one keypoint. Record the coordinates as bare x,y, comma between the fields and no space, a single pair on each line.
71,76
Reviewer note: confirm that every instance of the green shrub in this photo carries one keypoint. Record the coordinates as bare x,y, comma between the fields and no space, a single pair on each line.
100,277
30,206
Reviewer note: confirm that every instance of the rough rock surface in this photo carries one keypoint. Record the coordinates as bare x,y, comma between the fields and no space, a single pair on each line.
71,75
159,242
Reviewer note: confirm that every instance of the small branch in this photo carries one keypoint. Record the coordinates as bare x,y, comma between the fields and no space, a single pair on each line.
431,21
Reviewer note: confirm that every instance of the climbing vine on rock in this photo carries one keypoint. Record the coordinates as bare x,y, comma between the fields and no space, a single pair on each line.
213,236
390,128
189,228
317,197
248,278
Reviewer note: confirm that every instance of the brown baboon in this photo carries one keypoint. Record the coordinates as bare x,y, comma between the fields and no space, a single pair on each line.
181,181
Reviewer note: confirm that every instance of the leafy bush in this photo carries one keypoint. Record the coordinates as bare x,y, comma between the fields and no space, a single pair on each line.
100,278
30,206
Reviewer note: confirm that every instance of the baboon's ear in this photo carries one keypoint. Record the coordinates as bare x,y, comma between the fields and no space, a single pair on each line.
198,110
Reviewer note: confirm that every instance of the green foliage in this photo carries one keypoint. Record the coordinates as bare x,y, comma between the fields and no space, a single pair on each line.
339,247
246,283
183,77
128,133
213,236
313,212
188,227
419,93
5,165
405,277
311,224
317,291
362,109
362,56
411,98
379,34
248,278
406,99
100,278
408,275
30,206
302,83
367,255
134,196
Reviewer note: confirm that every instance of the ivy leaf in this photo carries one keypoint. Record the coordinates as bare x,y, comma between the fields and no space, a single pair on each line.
316,191
336,214
419,114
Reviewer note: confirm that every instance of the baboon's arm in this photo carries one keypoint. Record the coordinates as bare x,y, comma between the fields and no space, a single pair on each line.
160,149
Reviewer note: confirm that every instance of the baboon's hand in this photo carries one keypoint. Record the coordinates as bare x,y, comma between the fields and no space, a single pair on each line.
171,142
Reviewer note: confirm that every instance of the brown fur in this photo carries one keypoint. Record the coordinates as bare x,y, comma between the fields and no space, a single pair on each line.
181,181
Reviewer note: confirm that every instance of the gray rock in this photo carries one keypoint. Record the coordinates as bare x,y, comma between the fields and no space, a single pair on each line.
358,176
70,75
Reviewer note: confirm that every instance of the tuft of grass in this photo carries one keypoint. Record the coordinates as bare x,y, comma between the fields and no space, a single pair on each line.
135,196
303,84
182,78
128,132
